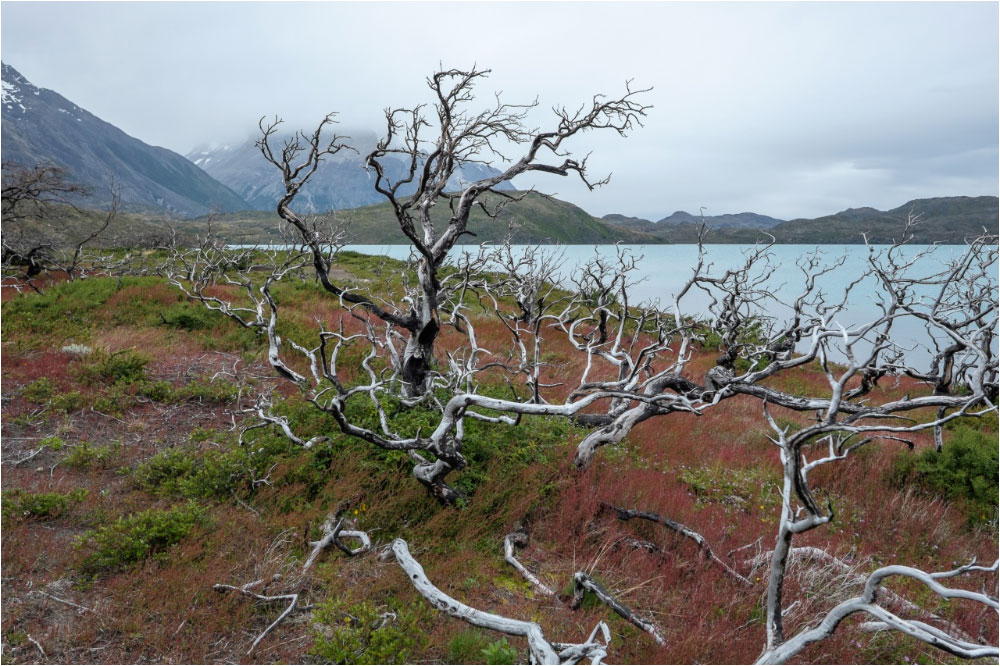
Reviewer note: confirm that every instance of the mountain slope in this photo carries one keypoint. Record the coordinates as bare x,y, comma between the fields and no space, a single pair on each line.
41,125
731,220
941,219
340,182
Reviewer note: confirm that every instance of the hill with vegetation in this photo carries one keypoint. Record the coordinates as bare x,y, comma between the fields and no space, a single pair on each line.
533,219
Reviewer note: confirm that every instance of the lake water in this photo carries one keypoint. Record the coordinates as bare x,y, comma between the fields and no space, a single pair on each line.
664,269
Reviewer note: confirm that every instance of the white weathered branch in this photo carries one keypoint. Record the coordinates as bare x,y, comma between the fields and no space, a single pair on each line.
520,539
540,649
867,603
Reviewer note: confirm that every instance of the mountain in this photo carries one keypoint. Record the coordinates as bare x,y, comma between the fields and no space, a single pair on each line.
730,220
41,125
534,219
340,182
941,220
626,221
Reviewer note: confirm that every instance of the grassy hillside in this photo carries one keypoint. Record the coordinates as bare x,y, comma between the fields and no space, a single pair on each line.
942,220
127,496
535,219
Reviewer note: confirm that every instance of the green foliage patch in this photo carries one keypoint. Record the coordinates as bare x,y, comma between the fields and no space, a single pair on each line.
363,634
85,454
18,504
39,390
131,539
966,469
500,652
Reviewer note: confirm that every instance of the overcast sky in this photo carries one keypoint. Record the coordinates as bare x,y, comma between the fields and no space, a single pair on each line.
785,109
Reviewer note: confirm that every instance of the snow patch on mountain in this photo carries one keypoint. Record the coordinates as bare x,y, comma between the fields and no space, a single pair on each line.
9,96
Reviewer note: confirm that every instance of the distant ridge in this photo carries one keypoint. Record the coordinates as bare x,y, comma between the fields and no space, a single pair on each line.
542,220
727,221
41,125
940,220
737,220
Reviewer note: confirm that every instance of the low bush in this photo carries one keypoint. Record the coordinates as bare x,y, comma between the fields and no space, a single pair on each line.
39,390
183,472
18,504
54,442
966,469
131,539
68,402
198,390
86,455
364,634
122,367
190,317
467,647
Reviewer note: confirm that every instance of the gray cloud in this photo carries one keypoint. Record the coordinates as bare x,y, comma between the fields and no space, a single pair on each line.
787,109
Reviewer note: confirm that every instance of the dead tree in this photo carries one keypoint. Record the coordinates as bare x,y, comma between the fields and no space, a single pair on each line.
434,149
35,243
28,195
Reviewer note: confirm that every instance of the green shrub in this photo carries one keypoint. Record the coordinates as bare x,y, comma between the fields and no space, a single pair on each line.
204,390
163,472
122,367
132,539
198,390
85,455
181,471
67,402
39,390
55,443
966,469
18,504
500,652
160,391
190,317
362,634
